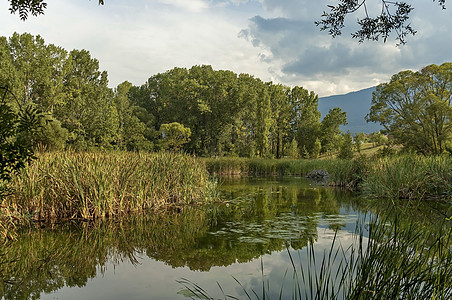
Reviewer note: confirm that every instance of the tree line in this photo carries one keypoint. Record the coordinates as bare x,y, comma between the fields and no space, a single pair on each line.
54,99
197,110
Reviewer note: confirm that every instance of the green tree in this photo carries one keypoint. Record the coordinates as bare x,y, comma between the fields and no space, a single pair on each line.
346,148
281,112
293,151
15,152
358,140
317,148
415,108
264,121
89,112
48,135
174,136
34,70
131,130
305,117
377,138
330,131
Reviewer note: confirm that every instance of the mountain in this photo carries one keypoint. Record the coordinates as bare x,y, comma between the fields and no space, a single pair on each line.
357,105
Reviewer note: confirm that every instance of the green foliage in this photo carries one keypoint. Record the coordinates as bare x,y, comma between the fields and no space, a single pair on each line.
358,140
68,87
96,185
174,136
317,148
226,113
305,117
230,114
15,150
415,108
293,151
346,149
378,138
50,134
330,131
133,120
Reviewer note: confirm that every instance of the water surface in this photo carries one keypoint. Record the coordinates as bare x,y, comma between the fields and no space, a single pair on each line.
246,238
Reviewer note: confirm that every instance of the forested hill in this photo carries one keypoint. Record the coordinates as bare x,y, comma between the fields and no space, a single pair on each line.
357,105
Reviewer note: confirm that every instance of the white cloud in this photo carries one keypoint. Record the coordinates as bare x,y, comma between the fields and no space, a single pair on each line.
270,39
301,54
189,5
134,42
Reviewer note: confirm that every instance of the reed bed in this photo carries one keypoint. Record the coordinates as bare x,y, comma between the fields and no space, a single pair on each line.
271,167
409,177
96,185
397,177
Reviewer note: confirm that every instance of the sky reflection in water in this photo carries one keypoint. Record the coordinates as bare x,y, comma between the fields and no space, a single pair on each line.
144,259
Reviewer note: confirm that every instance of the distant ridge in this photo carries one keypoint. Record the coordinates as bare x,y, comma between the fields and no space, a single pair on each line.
357,105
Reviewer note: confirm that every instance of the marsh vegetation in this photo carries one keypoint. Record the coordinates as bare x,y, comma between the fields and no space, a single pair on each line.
92,178
263,232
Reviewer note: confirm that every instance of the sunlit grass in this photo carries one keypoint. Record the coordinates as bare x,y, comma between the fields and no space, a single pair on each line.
398,177
97,185
409,177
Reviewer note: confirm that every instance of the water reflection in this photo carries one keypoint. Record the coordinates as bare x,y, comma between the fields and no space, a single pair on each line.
258,218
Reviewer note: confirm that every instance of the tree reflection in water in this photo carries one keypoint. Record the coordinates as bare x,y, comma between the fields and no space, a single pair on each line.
257,217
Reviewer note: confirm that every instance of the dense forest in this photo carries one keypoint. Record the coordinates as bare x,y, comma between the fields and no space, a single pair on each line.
198,110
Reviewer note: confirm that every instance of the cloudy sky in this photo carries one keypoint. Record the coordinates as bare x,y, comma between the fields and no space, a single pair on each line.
275,40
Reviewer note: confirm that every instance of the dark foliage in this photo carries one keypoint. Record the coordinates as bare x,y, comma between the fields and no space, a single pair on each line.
393,17
14,152
33,7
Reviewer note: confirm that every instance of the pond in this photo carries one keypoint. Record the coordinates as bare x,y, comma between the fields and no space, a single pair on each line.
246,244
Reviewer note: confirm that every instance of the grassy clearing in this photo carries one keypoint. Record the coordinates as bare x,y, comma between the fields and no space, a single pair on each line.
96,185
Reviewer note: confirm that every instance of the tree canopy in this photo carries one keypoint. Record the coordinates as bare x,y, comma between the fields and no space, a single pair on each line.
415,108
199,110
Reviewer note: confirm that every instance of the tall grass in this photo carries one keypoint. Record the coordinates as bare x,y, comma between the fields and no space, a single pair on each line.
97,185
340,169
9,220
409,177
398,177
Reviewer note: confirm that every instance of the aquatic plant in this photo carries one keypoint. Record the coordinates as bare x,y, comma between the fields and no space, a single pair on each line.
97,185
407,176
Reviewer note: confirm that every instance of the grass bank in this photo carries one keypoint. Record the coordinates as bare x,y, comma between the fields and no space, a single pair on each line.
397,177
70,185
409,177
